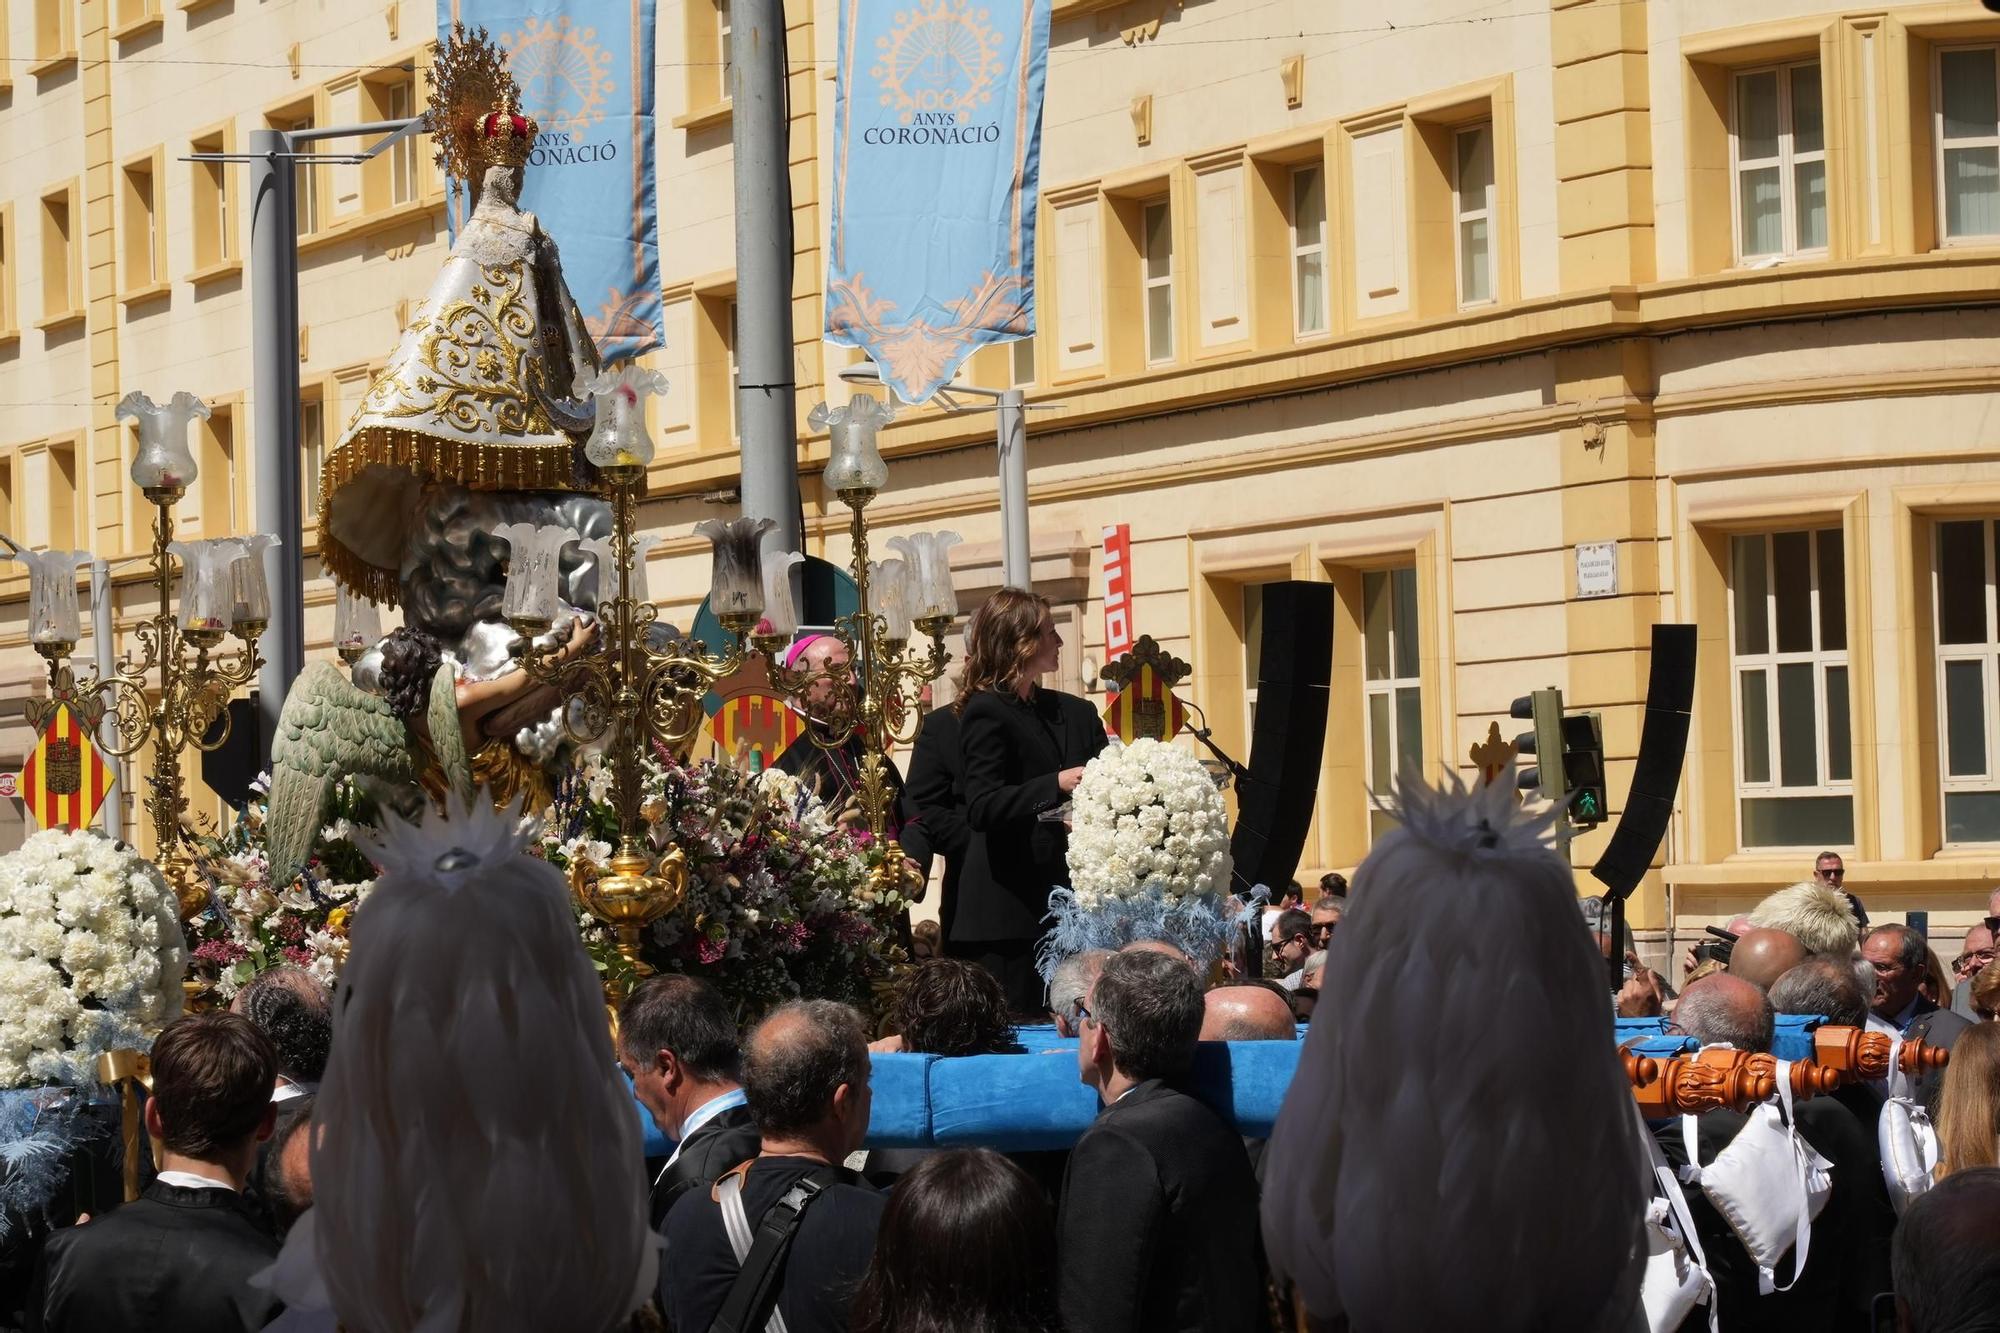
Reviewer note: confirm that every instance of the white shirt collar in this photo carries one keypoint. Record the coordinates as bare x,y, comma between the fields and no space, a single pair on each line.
188,1180
698,1117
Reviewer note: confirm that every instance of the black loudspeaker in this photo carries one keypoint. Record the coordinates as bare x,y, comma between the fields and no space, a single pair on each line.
1642,824
230,770
1275,803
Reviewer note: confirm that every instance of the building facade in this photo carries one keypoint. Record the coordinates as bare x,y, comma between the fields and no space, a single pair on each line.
1409,299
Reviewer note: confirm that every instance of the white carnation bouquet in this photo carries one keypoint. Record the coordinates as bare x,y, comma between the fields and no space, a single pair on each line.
91,956
1147,816
1148,856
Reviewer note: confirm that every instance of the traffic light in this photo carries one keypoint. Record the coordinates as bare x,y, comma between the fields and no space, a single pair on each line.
1583,767
1545,742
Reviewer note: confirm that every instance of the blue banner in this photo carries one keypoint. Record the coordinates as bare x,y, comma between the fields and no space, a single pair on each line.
585,68
937,134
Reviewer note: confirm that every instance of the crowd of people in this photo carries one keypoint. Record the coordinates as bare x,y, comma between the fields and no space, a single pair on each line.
1458,1146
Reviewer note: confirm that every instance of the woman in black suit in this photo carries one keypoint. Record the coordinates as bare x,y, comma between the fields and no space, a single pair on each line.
1023,749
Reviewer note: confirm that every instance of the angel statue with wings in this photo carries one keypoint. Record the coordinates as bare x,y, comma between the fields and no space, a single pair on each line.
477,421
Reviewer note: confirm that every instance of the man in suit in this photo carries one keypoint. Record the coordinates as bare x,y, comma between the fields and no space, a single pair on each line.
933,807
178,1259
1898,954
677,1040
1847,1258
806,1071
1159,1208
1977,953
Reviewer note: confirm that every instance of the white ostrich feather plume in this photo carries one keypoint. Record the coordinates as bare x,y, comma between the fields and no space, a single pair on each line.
1457,1149
476,1152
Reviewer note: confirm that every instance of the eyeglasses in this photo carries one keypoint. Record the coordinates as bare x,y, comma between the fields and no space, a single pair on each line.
1323,931
1832,872
1080,1011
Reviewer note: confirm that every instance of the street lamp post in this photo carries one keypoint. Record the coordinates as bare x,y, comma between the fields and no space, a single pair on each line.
1011,436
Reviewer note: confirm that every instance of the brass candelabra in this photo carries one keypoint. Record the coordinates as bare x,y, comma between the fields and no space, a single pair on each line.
634,691
223,592
871,697
638,693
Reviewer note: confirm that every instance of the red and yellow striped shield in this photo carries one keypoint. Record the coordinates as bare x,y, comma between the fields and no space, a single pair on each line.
757,721
1145,707
64,780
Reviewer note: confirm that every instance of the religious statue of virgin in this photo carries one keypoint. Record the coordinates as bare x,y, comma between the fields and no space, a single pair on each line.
477,421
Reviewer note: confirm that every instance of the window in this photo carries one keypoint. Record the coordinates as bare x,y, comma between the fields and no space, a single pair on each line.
214,208
7,466
1779,148
221,514
9,320
1968,682
305,176
1788,608
1308,250
1968,143
62,498
1023,352
403,153
1472,192
1392,686
55,29
144,246
730,347
59,284
1253,653
1157,232
723,43
312,449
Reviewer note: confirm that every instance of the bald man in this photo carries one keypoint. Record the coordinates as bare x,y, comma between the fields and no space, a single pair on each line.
1762,956
1249,1012
1847,1262
1158,946
835,775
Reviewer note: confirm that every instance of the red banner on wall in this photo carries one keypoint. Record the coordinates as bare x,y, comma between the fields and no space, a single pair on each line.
1118,633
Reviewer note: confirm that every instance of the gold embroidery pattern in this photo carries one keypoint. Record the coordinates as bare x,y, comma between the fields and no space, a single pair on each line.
476,368
921,355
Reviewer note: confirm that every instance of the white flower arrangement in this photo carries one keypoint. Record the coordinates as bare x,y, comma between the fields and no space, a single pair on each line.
1146,818
91,956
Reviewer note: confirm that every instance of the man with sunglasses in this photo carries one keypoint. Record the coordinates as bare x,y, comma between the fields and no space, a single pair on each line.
1978,952
1291,942
1831,871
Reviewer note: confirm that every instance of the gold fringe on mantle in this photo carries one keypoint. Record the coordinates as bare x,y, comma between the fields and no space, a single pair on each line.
476,465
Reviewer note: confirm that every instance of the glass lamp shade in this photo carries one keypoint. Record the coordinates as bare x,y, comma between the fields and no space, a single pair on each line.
737,587
533,565
208,590
250,593
607,565
357,622
619,439
889,595
53,617
163,462
854,461
929,557
781,612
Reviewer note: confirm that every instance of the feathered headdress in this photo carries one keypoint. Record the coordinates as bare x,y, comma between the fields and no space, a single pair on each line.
472,1160
1458,1147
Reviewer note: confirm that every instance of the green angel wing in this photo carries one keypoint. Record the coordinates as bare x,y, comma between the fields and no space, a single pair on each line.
329,728
447,739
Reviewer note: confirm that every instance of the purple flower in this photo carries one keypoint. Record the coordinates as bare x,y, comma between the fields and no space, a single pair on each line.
222,953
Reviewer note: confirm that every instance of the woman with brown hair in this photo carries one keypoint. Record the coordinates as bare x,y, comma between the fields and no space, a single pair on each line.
1023,750
1968,1113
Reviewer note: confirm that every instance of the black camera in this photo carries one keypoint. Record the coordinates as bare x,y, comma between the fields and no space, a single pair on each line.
1717,949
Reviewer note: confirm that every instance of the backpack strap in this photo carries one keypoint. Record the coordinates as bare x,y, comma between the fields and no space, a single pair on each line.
753,1298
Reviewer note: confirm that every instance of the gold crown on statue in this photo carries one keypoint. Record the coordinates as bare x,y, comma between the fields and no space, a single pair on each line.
475,117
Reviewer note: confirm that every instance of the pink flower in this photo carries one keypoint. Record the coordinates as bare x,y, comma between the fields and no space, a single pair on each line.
290,929
710,951
222,953
298,954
